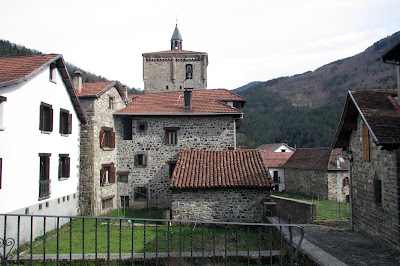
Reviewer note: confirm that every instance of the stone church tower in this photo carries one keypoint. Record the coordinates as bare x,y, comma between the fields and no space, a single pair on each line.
175,69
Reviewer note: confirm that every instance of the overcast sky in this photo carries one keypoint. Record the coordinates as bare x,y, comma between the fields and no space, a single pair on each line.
252,40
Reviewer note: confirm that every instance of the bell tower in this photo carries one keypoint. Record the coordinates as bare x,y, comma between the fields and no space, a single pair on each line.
176,40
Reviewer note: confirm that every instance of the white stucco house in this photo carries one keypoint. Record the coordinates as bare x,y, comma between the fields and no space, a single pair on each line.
40,118
276,147
275,161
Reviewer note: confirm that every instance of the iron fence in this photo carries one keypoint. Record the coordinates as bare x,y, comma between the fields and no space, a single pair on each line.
108,240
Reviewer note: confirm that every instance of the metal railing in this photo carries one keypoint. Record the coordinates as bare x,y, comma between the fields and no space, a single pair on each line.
104,240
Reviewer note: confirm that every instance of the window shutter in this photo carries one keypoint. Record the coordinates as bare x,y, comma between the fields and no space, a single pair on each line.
112,174
136,159
68,166
145,160
102,138
166,137
102,176
176,137
51,119
60,167
365,139
112,139
41,118
47,167
69,123
61,122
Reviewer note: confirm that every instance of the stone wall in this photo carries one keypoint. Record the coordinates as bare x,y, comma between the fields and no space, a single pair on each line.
296,210
380,221
338,189
307,183
92,156
228,205
195,132
168,73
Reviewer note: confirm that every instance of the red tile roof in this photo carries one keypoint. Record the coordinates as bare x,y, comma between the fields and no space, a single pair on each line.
173,52
92,89
309,158
220,169
275,159
20,67
203,102
335,156
378,109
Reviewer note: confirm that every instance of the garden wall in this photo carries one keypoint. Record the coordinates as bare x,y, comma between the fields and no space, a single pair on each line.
296,210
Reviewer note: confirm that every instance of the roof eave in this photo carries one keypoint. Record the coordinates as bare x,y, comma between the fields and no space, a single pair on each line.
177,114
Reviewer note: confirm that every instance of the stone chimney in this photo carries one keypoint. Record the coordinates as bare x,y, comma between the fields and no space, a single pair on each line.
187,95
77,81
125,90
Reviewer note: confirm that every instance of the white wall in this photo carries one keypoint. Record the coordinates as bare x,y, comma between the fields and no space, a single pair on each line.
21,142
281,174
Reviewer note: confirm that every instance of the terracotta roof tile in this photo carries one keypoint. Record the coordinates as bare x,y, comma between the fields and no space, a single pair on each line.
275,159
203,102
173,52
309,158
19,67
220,169
92,89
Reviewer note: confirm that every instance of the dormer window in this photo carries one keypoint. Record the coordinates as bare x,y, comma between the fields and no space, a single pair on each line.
53,69
189,71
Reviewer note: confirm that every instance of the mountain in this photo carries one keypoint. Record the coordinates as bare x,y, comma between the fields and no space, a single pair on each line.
10,49
245,87
325,84
305,109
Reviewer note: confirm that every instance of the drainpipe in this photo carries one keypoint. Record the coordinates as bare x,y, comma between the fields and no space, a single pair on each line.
350,156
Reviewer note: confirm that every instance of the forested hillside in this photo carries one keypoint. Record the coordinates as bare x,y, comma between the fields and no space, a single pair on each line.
305,109
11,49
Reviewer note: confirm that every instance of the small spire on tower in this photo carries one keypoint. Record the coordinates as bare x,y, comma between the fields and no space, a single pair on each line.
176,40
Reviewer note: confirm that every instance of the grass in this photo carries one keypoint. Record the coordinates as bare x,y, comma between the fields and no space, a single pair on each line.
89,235
326,209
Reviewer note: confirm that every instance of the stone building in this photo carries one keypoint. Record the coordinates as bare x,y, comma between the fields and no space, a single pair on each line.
175,69
318,173
224,185
98,183
369,131
154,128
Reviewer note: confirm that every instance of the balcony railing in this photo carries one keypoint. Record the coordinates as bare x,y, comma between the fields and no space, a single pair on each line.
103,240
44,188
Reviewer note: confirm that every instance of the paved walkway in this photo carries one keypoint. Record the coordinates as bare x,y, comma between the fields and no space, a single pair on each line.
351,248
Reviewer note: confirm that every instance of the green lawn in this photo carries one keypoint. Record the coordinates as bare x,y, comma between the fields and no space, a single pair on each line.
181,237
326,209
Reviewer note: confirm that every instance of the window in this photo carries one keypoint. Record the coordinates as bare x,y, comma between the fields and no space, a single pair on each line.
2,100
172,165
53,73
65,122
189,71
276,177
127,121
365,140
141,127
140,193
346,181
44,178
46,117
171,135
107,174
123,177
111,103
107,138
283,150
124,201
107,203
378,191
1,171
63,166
140,159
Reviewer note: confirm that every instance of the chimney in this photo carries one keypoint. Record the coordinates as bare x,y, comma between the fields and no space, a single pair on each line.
125,90
187,95
77,81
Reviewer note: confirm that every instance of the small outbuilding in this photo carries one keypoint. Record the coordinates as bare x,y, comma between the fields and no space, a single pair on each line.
228,185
